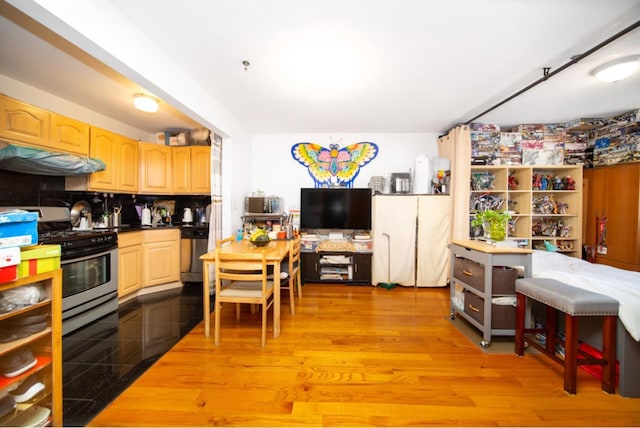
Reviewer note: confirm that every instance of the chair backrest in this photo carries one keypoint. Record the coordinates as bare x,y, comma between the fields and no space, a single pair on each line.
223,242
294,255
240,267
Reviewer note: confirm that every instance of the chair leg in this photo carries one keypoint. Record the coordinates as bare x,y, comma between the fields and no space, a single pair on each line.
238,310
264,324
299,284
570,353
609,354
292,301
216,317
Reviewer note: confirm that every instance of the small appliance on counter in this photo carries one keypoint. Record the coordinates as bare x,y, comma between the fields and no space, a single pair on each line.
187,216
146,216
401,182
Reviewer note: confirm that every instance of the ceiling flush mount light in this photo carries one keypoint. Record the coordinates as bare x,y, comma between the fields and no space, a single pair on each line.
616,70
145,103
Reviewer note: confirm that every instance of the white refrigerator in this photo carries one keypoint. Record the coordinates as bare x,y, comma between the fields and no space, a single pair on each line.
410,237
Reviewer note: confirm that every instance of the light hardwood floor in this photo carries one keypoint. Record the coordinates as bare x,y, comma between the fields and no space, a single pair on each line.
358,356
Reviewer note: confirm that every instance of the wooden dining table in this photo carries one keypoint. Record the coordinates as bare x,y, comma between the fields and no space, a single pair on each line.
276,251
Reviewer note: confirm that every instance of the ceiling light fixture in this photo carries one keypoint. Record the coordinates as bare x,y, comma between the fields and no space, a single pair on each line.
616,70
145,103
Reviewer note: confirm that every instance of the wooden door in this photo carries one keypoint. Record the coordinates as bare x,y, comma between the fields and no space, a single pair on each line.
23,123
201,170
128,158
69,135
614,192
181,169
104,146
129,262
155,169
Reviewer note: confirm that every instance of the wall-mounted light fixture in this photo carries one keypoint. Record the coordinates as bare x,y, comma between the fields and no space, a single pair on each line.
616,70
145,103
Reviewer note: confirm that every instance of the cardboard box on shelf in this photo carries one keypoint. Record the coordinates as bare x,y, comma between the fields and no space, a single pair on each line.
9,259
38,259
18,228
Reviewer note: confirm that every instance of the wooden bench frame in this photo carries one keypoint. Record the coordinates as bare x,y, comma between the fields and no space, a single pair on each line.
570,360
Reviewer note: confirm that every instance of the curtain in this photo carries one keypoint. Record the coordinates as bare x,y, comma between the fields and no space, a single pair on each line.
456,146
215,221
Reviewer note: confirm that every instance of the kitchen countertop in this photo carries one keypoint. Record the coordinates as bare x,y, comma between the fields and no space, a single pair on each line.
132,228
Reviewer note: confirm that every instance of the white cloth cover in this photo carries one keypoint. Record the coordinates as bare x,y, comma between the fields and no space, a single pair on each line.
622,285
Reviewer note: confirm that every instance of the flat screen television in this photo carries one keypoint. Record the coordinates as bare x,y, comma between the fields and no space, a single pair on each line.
335,208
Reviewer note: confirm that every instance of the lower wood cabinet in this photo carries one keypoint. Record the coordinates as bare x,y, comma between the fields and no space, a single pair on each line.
129,262
160,256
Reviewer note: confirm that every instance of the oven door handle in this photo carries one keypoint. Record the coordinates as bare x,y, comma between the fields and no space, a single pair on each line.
113,252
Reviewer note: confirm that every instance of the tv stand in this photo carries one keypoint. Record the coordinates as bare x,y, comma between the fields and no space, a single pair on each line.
336,267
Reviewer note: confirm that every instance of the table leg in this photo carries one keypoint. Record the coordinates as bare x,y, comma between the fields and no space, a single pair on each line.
206,297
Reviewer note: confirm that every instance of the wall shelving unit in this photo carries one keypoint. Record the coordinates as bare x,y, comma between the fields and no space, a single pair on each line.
45,345
552,215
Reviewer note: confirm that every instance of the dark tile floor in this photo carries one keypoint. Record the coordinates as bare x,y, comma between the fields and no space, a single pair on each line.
102,359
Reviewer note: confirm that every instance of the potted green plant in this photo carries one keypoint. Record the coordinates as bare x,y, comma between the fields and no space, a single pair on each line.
494,223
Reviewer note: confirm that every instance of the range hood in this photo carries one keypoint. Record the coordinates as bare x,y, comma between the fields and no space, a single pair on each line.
30,160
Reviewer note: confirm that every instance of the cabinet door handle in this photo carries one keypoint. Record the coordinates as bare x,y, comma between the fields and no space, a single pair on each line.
466,272
316,266
355,267
473,308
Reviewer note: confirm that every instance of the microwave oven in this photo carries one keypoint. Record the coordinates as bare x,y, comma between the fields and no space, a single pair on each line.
263,205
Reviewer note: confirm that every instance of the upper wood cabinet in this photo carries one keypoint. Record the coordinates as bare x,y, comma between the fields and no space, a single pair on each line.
23,123
120,154
69,135
191,168
155,169
32,126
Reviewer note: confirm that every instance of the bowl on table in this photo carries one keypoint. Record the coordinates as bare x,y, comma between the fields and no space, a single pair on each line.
261,242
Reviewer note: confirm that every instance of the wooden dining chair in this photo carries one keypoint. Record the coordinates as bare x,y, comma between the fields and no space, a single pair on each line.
242,278
293,273
224,242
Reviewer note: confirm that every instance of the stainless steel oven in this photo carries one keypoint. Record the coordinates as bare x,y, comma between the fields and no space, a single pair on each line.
89,288
89,261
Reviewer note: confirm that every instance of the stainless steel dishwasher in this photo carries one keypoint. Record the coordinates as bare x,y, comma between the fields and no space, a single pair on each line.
193,244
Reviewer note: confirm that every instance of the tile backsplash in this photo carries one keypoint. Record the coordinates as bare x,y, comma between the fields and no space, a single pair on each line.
20,189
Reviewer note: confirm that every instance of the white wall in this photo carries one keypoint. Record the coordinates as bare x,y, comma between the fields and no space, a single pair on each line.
275,171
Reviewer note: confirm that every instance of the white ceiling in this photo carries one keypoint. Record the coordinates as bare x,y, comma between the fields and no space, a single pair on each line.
398,66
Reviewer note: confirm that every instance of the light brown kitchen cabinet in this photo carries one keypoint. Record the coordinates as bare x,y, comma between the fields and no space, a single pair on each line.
160,256
23,123
120,155
155,169
68,135
129,262
128,160
32,126
614,192
191,168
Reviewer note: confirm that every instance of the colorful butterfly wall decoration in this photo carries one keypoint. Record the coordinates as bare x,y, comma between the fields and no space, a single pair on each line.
334,166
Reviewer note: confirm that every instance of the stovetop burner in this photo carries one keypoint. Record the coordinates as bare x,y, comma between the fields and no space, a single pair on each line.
79,243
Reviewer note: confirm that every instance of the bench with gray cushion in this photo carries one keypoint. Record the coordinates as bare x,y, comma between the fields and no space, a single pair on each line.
574,302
